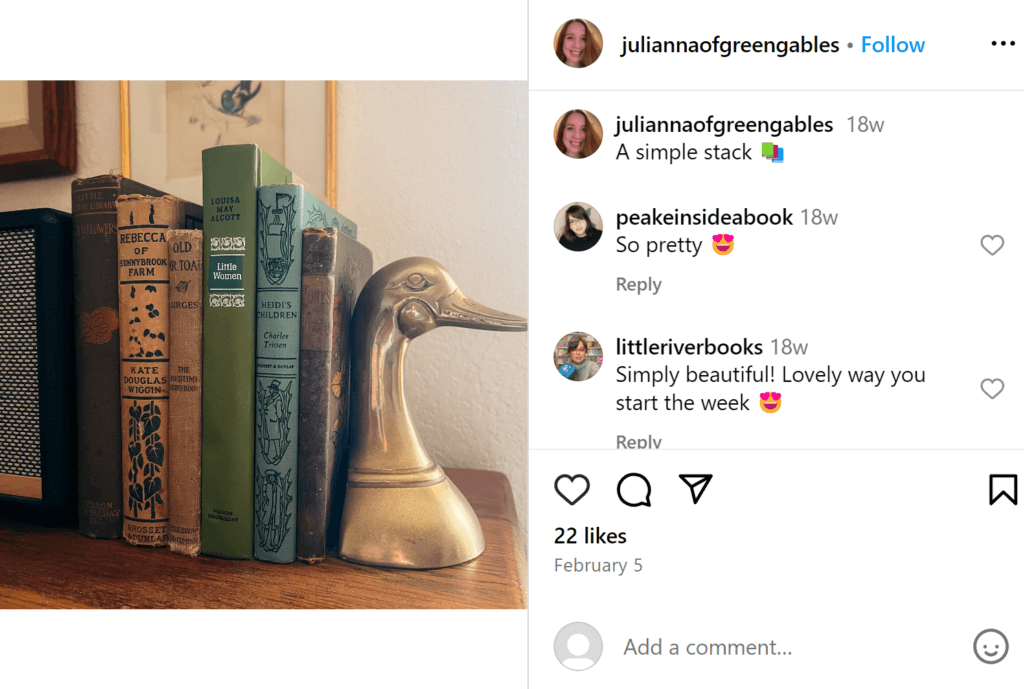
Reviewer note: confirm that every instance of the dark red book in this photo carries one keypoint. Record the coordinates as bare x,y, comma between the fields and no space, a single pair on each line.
334,269
98,350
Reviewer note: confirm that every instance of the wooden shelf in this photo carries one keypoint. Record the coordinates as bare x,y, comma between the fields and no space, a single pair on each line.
58,568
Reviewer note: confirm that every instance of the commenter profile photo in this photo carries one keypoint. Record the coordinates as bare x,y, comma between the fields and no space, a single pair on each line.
578,134
578,226
578,356
578,43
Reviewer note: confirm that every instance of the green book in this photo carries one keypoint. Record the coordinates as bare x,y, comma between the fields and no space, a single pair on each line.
283,211
231,176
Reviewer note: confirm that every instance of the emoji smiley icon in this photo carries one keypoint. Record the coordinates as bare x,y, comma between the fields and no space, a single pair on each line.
991,646
771,402
722,244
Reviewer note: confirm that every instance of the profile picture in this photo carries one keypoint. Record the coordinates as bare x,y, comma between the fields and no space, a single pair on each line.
578,646
578,356
578,226
578,134
578,43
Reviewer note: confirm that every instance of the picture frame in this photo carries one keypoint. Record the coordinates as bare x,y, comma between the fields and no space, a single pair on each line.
309,135
38,134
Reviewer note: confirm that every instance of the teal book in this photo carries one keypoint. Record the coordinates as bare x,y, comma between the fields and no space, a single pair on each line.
231,176
283,211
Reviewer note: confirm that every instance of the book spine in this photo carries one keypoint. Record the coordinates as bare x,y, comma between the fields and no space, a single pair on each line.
335,268
98,351
94,221
185,254
279,216
231,175
317,406
283,211
143,284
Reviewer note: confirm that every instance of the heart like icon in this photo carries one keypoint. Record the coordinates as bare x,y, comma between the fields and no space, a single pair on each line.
993,387
992,243
572,488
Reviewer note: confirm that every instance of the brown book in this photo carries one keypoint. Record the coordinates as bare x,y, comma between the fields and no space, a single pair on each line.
98,349
185,253
144,288
334,269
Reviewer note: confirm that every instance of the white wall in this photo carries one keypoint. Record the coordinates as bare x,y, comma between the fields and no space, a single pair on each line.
439,169
432,169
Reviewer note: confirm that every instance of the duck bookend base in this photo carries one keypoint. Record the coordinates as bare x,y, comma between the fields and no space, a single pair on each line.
412,526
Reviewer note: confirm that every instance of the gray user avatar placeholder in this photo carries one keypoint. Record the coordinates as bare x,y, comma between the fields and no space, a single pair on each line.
578,646
991,646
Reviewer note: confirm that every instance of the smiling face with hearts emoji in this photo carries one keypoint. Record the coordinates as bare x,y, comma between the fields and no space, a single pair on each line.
771,402
722,244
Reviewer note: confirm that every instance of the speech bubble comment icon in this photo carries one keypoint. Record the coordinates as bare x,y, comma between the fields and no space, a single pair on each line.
634,490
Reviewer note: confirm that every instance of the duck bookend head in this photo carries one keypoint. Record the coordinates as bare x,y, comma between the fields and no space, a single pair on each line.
401,510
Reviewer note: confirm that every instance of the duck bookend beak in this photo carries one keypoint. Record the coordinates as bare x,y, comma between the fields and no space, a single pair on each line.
459,310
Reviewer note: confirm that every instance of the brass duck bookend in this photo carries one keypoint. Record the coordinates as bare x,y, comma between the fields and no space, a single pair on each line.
400,508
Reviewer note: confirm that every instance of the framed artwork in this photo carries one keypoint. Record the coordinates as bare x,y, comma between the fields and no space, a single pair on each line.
37,129
166,125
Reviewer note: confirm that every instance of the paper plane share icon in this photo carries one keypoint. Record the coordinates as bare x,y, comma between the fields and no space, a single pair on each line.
697,484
